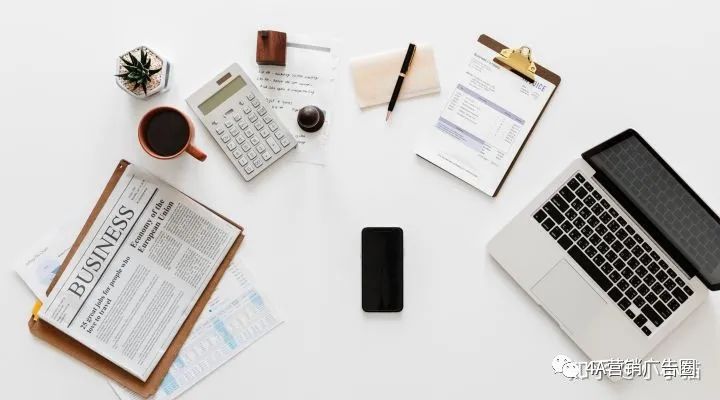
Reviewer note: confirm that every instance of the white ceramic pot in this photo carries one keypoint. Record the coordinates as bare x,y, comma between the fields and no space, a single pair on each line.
158,82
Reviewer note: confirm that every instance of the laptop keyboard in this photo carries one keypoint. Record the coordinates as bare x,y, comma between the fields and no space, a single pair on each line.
613,253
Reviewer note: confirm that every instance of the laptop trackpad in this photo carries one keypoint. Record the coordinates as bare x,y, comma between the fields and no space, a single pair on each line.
568,297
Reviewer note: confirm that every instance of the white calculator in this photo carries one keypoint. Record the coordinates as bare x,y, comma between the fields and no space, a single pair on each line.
242,122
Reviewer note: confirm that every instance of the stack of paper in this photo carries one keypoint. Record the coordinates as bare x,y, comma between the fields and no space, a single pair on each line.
236,316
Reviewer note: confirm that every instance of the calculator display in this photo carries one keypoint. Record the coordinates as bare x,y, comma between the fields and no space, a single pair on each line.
207,106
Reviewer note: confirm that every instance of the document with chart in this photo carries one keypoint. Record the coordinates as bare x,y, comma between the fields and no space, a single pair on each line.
138,272
485,122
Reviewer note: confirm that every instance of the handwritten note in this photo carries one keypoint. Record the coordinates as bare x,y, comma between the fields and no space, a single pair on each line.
285,82
307,79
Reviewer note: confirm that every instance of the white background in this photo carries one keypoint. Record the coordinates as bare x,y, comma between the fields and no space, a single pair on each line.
467,331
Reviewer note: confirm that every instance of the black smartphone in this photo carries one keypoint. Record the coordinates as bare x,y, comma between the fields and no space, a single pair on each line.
382,269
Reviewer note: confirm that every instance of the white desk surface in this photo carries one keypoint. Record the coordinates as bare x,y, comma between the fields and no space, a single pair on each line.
467,331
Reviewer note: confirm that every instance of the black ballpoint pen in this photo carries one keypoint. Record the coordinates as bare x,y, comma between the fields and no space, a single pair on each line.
396,92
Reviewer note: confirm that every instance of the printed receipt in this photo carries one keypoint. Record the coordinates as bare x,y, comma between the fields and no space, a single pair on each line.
485,122
236,316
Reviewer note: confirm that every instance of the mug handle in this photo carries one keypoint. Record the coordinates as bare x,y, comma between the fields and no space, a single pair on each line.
195,152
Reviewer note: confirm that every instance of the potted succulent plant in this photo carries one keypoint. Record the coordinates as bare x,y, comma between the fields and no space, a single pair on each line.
142,72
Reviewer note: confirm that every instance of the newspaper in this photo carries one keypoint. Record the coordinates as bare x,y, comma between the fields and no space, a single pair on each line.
236,316
138,272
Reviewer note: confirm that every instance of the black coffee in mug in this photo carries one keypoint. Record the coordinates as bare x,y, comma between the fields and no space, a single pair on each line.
167,132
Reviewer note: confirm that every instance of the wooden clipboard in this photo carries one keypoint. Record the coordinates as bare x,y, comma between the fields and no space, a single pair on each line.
67,344
538,70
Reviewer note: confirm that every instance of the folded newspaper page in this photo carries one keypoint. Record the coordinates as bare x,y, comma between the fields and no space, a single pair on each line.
237,315
139,271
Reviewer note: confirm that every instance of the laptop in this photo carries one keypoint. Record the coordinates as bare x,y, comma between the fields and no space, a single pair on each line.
619,250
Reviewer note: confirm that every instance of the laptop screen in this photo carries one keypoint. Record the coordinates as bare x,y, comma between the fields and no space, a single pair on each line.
665,201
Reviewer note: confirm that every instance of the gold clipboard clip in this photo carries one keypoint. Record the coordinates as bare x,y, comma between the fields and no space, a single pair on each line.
36,310
519,61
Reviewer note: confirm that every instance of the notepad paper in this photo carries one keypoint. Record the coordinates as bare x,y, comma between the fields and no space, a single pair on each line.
307,79
485,122
374,76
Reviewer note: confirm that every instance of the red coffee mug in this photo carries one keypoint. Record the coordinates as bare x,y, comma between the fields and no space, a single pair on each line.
186,144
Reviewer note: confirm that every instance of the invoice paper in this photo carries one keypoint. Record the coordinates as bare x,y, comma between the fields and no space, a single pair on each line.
485,121
307,79
236,316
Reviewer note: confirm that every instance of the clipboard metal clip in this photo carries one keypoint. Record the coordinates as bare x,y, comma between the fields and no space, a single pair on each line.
519,61
36,310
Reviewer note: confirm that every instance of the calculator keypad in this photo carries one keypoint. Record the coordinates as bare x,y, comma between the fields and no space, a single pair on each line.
250,135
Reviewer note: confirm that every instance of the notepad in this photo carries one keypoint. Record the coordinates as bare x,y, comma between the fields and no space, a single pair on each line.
487,119
374,76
